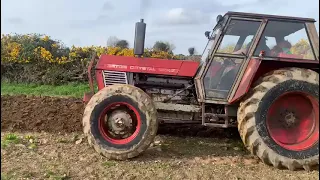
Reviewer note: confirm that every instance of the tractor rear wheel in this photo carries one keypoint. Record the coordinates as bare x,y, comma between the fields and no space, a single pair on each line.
278,120
120,121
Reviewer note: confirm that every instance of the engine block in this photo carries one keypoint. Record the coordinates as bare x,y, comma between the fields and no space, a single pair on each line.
161,88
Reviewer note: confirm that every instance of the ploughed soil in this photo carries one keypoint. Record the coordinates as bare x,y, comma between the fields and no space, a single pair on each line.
50,114
42,138
64,115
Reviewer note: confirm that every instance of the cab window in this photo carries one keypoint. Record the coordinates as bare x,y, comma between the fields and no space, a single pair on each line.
289,40
238,37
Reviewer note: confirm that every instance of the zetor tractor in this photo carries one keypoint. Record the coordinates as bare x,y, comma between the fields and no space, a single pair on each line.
258,72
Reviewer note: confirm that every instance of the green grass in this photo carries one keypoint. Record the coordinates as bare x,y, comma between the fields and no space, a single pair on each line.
109,163
73,89
6,176
10,139
52,175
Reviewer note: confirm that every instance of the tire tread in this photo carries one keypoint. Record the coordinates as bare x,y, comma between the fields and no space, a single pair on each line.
246,118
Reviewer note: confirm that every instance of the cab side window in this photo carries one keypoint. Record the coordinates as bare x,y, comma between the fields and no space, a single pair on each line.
285,39
238,36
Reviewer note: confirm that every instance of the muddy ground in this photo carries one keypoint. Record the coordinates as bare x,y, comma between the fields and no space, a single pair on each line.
31,113
64,115
41,138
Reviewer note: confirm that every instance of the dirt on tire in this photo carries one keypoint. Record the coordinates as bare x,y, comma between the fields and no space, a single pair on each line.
49,114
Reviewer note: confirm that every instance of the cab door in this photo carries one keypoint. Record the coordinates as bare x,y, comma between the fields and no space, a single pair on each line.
227,59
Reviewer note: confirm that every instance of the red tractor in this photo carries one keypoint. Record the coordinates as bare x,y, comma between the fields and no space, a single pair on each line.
258,72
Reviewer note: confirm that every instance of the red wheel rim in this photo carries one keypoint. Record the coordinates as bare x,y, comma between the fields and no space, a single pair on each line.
293,121
103,127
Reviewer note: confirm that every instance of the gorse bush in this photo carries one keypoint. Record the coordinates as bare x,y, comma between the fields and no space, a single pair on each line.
35,58
32,48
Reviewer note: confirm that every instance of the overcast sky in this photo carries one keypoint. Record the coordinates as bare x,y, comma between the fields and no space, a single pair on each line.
181,22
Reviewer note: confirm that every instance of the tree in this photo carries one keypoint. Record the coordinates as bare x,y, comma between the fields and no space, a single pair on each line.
171,46
180,56
191,51
123,44
163,46
112,41
227,49
302,48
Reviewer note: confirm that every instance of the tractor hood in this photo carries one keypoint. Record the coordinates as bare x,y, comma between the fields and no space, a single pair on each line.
148,65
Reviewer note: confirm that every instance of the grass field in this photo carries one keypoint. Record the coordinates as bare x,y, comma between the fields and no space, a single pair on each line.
72,90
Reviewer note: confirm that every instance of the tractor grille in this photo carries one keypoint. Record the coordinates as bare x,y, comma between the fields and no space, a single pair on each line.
114,77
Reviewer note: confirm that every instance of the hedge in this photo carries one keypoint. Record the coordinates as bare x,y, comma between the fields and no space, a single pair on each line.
35,58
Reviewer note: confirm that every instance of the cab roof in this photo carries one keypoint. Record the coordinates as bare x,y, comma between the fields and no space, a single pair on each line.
267,16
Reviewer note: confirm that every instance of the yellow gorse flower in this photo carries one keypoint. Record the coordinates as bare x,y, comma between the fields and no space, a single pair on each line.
45,38
14,49
54,45
45,54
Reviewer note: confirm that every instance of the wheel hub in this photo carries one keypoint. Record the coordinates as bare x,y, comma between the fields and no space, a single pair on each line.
290,119
119,123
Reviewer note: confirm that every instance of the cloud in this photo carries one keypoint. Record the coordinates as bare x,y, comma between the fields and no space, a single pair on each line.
241,2
76,41
182,16
204,12
103,20
107,6
110,14
144,7
181,22
15,20
100,20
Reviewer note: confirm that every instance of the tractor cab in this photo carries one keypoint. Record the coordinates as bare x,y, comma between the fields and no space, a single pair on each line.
239,38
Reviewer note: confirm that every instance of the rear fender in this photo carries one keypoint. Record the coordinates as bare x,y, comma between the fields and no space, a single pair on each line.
87,96
257,68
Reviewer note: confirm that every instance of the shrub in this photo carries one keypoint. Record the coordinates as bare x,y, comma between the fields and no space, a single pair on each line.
35,58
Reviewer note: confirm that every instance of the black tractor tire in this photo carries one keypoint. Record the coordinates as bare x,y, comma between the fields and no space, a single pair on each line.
253,112
144,108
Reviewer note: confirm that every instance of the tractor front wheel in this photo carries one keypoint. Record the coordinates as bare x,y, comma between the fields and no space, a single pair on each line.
278,121
120,122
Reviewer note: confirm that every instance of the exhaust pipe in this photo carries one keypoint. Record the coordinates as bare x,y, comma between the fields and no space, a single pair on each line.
139,38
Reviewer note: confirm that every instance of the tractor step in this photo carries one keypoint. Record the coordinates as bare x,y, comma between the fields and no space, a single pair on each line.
177,107
216,125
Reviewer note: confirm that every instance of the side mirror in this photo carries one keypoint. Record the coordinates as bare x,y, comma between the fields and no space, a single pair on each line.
219,18
207,34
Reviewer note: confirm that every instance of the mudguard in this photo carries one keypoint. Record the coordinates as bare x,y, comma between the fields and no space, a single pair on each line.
257,67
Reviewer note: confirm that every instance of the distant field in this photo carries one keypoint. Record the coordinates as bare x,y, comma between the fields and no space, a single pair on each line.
72,90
